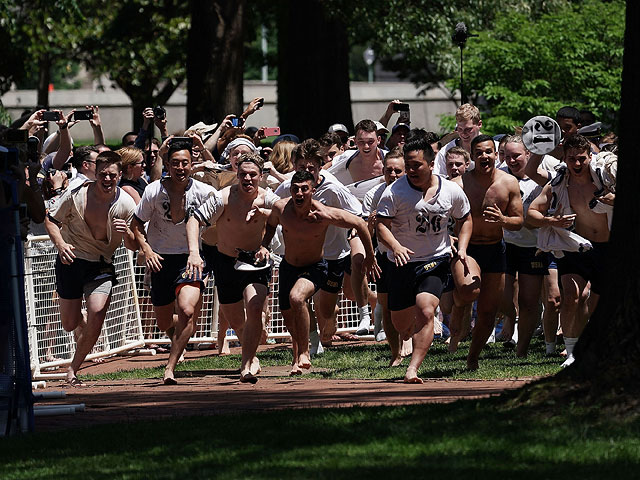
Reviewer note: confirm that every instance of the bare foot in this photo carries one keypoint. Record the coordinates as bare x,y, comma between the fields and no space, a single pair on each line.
295,370
169,379
181,359
97,360
303,361
248,377
412,376
72,380
255,368
52,358
224,350
406,348
396,362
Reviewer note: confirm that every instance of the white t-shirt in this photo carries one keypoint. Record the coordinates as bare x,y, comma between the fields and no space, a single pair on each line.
332,193
163,235
69,211
370,204
340,165
420,225
524,237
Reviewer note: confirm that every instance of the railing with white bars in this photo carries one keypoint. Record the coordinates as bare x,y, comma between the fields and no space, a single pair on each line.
130,321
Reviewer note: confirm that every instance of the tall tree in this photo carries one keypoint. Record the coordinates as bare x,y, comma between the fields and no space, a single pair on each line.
608,352
37,34
214,60
140,45
521,73
313,69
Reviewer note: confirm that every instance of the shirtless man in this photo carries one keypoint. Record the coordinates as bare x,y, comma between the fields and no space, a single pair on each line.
337,249
241,219
574,268
365,162
303,270
458,298
495,204
167,205
413,214
94,218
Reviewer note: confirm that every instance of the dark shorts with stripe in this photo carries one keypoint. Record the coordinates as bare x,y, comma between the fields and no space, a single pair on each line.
491,257
76,279
407,281
231,282
524,260
382,283
316,273
165,283
335,275
590,265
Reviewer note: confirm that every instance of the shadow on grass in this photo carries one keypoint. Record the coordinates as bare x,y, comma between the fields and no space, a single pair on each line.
472,439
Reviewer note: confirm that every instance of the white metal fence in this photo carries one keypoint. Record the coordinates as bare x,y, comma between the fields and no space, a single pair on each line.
130,321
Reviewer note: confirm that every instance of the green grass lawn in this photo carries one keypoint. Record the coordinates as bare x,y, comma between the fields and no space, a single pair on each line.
370,362
466,439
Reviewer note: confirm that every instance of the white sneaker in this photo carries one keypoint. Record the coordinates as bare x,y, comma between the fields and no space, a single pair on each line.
316,347
363,327
570,359
381,336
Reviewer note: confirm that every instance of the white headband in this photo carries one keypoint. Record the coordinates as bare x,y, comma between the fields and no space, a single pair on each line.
236,143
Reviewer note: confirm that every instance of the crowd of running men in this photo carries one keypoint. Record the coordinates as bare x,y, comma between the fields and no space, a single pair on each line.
465,228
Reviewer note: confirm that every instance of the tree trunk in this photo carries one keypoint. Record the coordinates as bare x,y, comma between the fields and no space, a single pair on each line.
608,353
44,79
215,60
313,70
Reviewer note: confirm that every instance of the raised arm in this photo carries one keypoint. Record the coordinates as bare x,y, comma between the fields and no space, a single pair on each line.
535,172
96,125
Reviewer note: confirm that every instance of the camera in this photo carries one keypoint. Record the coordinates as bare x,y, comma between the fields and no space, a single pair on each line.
400,107
260,103
188,140
235,122
83,115
53,171
159,112
49,116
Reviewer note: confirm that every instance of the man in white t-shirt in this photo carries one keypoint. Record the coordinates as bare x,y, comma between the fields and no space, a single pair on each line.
468,125
413,214
94,218
240,263
167,205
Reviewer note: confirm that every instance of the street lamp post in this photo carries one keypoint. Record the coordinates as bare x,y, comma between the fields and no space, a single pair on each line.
369,57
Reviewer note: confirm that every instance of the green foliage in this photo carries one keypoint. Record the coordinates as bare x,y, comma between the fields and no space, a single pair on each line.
571,57
38,34
261,12
414,38
140,44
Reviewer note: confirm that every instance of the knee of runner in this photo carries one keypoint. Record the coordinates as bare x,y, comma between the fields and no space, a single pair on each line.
297,300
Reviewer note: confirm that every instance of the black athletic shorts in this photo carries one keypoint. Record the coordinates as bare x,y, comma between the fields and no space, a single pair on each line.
289,275
590,265
407,281
491,258
208,254
335,275
231,282
72,279
382,283
165,283
524,260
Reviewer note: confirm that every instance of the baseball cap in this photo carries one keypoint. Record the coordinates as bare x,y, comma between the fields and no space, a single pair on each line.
398,125
380,126
338,127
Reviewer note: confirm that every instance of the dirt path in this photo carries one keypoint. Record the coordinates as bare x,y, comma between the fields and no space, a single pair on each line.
216,392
